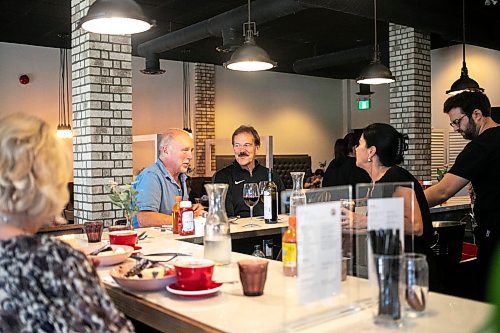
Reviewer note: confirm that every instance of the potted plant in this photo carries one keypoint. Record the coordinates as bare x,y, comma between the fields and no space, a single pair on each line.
441,172
125,197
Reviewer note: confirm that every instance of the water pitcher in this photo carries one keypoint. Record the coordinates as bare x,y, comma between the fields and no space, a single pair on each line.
217,239
298,196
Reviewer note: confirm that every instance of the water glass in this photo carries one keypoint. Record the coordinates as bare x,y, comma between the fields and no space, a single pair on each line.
253,275
262,185
390,292
417,284
93,229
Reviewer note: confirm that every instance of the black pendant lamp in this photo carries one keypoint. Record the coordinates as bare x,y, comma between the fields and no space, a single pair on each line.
115,17
364,90
64,127
376,72
464,83
250,57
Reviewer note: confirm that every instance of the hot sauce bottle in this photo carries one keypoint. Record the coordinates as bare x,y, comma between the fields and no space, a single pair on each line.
186,221
290,248
175,214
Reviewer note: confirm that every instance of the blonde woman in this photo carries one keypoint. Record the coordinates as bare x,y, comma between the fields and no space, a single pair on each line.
45,285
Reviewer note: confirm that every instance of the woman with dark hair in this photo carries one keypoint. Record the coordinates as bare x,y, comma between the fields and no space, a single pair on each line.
380,150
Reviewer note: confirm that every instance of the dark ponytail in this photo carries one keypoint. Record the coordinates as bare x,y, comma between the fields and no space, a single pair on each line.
390,144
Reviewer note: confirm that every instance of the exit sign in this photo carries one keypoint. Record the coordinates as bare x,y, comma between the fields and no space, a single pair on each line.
364,104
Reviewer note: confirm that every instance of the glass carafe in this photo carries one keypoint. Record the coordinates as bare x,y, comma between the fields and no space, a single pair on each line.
298,196
217,239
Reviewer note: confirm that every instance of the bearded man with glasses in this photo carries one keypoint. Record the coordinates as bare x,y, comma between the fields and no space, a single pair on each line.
478,163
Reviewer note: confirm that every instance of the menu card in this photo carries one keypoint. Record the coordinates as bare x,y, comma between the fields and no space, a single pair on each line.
318,251
384,213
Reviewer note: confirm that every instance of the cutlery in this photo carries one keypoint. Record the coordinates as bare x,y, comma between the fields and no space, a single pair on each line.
104,247
154,260
142,236
166,254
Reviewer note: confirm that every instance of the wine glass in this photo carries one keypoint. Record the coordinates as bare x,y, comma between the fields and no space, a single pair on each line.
251,197
262,185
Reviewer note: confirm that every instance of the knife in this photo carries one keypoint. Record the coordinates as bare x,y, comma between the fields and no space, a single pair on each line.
166,254
100,249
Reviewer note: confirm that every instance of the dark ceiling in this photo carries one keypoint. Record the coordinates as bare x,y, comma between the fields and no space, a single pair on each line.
319,27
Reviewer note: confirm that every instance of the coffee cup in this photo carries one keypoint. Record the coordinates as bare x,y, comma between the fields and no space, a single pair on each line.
124,237
194,274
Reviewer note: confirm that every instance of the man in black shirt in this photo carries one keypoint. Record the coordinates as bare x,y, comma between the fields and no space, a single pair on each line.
343,170
245,169
478,163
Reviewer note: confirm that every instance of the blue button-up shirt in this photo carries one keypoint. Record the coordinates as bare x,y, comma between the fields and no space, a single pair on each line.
157,190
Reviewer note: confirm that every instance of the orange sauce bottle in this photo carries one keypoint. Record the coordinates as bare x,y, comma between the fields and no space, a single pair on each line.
289,248
176,215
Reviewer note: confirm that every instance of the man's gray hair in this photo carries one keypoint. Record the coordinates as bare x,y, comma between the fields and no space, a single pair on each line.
169,136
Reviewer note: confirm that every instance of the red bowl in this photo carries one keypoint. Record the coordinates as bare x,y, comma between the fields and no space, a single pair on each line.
125,237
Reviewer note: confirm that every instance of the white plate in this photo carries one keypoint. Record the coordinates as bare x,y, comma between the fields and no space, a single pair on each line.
109,258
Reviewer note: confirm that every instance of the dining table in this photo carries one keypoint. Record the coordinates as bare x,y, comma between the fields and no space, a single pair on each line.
277,310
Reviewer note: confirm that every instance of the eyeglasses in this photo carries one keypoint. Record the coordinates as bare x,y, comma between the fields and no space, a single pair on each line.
246,145
456,122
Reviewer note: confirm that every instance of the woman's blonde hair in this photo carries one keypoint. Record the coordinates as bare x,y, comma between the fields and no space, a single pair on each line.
34,169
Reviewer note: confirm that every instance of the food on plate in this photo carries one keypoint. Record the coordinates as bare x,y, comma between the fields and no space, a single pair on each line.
146,269
110,251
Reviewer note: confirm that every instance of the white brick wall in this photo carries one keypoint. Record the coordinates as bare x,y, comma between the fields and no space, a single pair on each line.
410,95
102,117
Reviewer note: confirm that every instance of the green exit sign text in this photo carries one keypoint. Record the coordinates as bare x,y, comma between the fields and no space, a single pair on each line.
364,105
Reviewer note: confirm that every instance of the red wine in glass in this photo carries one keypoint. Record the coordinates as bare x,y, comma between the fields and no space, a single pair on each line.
251,201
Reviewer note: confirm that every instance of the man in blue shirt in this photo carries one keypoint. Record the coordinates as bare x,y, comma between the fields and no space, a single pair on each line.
160,182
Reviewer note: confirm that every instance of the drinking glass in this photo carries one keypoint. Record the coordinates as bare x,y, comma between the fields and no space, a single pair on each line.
251,197
417,284
253,275
391,287
93,229
262,184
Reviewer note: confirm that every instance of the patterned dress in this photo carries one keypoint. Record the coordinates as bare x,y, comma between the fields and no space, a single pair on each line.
47,286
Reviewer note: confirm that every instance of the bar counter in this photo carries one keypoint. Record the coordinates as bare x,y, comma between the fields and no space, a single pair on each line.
452,204
230,311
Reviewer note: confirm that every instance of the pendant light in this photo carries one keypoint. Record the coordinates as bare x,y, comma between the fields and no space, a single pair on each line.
115,17
186,96
250,57
364,90
376,72
464,83
64,127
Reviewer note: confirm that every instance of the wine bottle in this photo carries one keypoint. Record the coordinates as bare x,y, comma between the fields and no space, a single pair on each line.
258,252
270,200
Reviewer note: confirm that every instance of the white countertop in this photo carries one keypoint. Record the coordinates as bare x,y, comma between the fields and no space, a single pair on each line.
277,310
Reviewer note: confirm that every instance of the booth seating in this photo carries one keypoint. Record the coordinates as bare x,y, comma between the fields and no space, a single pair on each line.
282,165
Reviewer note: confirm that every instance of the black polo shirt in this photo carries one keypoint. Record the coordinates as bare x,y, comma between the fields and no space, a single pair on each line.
235,176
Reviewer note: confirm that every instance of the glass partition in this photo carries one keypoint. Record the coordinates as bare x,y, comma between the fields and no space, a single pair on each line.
325,287
385,206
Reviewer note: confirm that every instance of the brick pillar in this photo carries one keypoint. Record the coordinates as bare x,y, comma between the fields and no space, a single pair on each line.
204,113
410,95
102,117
